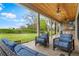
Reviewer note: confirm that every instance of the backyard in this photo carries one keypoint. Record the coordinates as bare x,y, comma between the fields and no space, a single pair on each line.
23,37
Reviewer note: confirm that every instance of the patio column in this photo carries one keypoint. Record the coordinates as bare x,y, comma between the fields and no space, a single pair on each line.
55,27
50,28
60,28
76,23
38,25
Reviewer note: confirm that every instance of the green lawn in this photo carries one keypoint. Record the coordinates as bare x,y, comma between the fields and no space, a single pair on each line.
23,37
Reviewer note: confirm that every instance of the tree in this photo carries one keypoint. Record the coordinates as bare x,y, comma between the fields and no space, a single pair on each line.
43,25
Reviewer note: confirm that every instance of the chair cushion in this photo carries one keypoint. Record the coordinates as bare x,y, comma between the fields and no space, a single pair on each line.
20,47
17,48
22,50
44,36
40,40
5,41
62,44
10,44
65,37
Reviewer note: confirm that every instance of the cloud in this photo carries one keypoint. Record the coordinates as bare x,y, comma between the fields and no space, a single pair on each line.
9,15
18,20
20,24
1,4
22,20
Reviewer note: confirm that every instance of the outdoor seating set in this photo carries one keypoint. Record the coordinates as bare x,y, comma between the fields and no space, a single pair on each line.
65,42
19,49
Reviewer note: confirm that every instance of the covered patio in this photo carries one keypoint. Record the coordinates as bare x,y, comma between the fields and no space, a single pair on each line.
65,17
49,50
62,14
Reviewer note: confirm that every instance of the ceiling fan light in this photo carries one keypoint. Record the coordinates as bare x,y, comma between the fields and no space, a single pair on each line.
58,14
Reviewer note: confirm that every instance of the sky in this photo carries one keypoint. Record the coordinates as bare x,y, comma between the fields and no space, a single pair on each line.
13,15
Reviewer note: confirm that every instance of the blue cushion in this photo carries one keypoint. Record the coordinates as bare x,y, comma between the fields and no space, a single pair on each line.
19,47
40,40
5,41
24,52
65,37
9,44
44,36
31,51
62,44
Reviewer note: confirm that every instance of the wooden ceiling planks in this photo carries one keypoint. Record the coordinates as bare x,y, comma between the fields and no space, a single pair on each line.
36,8
67,10
70,10
46,8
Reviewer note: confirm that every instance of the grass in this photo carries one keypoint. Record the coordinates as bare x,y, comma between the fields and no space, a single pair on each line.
23,37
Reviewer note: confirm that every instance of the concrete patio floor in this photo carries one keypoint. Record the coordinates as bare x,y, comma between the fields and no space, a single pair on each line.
49,50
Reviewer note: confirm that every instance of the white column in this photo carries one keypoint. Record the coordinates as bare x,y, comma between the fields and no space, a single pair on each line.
76,22
38,25
50,28
55,28
59,28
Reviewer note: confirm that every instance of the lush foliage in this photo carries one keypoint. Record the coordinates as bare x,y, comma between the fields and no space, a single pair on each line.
17,31
43,26
30,29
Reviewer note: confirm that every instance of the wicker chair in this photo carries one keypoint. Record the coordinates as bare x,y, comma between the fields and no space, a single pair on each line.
43,39
64,42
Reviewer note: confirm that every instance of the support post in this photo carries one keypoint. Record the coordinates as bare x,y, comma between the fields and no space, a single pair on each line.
76,36
59,28
55,27
50,29
38,25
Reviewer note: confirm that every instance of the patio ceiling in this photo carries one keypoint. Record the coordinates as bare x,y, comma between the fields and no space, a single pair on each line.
67,11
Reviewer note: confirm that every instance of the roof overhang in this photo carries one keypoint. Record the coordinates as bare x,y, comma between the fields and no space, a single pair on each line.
67,10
